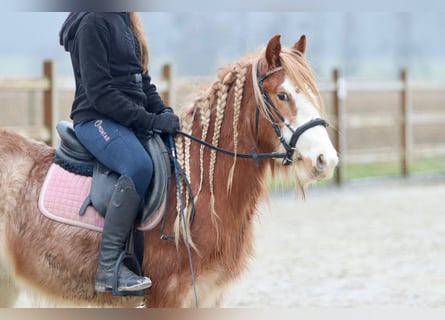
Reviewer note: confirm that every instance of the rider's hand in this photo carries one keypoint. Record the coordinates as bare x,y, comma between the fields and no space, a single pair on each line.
166,122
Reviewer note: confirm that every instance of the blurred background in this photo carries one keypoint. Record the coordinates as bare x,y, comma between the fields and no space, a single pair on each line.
370,236
382,74
362,44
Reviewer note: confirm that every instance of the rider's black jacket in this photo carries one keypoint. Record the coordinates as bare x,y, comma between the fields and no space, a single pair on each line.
105,55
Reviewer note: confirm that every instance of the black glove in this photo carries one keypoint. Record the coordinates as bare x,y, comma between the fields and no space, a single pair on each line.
166,123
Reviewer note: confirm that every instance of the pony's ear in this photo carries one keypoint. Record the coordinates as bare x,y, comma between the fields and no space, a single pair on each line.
273,52
300,45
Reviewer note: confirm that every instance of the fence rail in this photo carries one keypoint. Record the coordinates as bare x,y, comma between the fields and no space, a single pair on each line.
404,119
35,84
338,88
50,86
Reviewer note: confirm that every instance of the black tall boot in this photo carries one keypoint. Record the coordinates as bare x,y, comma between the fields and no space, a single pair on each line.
119,219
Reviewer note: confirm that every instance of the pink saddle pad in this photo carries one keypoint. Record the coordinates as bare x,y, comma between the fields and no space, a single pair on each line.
62,195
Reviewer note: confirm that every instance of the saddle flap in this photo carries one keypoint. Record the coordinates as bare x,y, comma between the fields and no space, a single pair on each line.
102,187
160,183
104,181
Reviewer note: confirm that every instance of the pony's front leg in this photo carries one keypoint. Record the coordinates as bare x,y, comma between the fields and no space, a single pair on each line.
9,293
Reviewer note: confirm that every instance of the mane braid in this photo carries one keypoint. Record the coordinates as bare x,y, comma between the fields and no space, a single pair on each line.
204,108
220,108
187,128
188,205
183,156
296,67
179,141
238,96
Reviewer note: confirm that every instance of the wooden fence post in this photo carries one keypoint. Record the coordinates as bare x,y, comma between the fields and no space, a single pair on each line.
49,100
339,95
167,77
405,125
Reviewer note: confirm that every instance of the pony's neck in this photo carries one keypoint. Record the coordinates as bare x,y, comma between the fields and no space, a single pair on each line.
228,187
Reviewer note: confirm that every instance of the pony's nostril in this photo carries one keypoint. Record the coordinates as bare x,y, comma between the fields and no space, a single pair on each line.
321,163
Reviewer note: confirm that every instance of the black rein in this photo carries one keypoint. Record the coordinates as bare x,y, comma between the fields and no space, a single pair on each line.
254,155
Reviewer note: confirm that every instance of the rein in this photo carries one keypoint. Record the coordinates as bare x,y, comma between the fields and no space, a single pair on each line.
254,155
290,146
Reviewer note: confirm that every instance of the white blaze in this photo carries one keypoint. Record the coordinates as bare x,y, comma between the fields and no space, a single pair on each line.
314,141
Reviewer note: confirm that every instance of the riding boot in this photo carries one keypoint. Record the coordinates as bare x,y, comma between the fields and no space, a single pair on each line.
119,219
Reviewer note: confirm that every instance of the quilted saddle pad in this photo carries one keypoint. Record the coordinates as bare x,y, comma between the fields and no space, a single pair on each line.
62,195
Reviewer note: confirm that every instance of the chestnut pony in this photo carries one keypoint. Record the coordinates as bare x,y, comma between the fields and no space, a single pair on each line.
265,106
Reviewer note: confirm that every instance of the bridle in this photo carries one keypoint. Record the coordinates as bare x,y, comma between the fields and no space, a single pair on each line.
271,110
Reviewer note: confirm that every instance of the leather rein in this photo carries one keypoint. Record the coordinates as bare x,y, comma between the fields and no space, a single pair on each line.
271,110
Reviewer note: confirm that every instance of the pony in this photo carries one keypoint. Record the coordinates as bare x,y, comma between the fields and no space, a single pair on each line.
261,115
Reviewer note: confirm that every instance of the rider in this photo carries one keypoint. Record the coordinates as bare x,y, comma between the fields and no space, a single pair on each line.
114,103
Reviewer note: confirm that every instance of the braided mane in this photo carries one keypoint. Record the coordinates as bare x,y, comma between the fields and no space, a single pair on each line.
212,105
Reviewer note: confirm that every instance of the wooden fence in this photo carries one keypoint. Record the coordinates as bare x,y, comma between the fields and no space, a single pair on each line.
337,88
51,86
403,120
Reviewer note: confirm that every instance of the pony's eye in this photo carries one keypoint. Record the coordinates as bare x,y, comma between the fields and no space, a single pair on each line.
282,96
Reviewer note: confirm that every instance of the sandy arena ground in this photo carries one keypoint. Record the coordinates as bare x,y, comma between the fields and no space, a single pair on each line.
379,243
367,244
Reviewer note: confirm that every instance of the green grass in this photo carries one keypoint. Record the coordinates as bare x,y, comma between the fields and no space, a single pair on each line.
362,171
429,165
359,171
420,166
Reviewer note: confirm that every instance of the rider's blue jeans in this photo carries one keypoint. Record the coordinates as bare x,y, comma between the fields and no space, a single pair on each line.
118,148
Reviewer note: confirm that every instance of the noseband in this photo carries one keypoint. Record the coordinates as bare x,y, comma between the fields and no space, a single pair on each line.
271,110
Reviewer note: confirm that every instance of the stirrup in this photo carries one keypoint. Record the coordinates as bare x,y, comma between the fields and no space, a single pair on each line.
133,265
134,262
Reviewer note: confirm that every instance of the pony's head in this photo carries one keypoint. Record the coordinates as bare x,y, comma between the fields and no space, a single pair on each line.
288,98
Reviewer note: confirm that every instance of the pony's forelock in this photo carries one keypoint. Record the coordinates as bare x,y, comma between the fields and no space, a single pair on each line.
299,72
